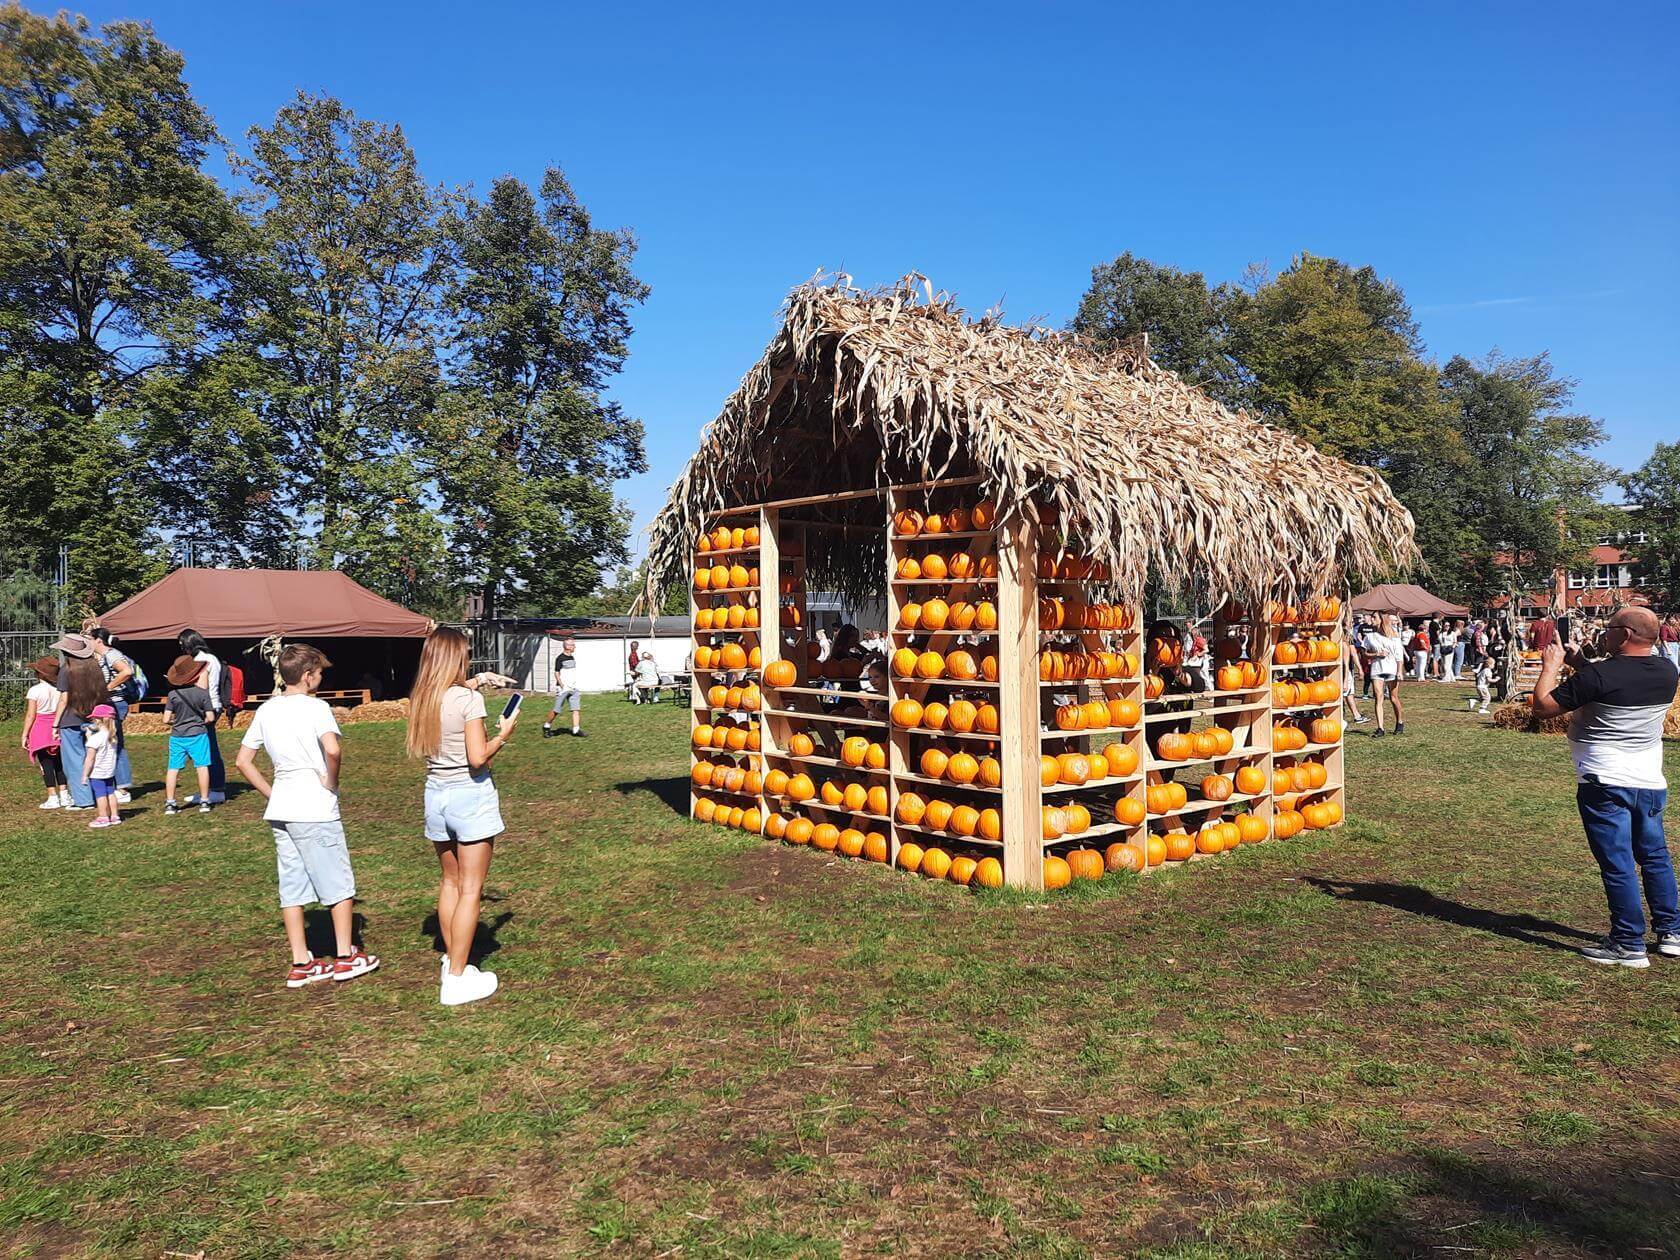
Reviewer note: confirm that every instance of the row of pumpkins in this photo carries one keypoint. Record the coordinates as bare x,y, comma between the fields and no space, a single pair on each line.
729,656
733,616
960,715
956,819
737,699
1306,651
955,566
847,794
1287,737
1067,665
1212,741
1286,695
1056,613
725,577
909,523
960,665
1081,769
723,538
934,615
728,735
1118,714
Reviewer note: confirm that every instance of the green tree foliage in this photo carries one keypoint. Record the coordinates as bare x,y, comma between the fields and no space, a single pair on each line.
347,321
116,262
1528,495
1184,319
1655,488
526,449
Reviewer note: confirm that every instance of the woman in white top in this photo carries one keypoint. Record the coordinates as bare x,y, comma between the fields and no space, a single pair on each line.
463,810
40,741
1388,655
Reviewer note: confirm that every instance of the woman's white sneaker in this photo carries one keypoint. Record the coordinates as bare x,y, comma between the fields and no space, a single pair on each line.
471,985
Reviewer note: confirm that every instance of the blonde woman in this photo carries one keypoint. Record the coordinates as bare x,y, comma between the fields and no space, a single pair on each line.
463,811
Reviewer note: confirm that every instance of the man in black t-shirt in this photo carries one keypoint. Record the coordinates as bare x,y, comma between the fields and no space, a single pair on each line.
1615,739
565,689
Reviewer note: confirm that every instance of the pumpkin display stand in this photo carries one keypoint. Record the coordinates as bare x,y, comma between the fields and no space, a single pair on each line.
1009,495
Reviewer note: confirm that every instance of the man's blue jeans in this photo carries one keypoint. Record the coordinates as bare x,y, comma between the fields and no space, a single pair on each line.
1624,828
72,752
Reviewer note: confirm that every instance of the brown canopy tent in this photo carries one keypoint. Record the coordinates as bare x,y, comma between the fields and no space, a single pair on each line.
1402,599
367,637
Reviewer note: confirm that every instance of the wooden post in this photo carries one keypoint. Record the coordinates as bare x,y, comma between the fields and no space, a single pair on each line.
1018,703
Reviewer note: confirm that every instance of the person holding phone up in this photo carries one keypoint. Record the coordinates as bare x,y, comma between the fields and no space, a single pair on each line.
463,810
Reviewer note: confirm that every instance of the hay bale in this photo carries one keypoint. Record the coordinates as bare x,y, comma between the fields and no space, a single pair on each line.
1515,716
377,711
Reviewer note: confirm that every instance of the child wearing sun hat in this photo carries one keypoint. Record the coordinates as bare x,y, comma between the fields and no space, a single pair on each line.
40,739
190,714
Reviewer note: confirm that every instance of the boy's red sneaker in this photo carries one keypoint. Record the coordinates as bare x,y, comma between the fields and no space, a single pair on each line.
358,962
311,972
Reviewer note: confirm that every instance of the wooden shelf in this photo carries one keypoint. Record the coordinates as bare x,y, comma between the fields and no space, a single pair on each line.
944,682
1286,669
945,581
814,803
1309,750
1098,784
1236,754
745,669
1089,730
835,718
930,733
701,556
1307,708
1178,715
1097,831
1259,689
949,837
699,791
833,763
942,535
1206,806
947,784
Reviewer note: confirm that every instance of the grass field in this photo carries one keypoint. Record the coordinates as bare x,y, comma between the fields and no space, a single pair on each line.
1371,1043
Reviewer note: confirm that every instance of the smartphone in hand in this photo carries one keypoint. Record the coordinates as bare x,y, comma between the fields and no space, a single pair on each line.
512,706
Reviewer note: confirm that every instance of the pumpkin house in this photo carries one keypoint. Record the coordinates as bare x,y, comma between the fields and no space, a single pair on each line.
1011,493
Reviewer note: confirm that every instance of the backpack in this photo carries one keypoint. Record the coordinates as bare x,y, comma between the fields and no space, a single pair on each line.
230,687
139,686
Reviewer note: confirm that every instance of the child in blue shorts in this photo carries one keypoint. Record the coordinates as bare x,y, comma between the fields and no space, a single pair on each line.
190,714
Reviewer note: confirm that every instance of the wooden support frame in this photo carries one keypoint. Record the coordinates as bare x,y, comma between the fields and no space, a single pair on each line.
1026,726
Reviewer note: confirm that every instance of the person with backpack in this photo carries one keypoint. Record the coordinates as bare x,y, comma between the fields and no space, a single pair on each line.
218,682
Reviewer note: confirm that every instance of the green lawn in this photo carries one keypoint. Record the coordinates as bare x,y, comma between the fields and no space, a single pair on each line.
1374,1042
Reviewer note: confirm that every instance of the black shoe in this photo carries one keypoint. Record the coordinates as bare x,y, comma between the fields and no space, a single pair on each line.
549,732
577,734
170,807
1399,728
1378,733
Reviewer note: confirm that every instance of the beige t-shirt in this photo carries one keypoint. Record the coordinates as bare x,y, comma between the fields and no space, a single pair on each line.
459,706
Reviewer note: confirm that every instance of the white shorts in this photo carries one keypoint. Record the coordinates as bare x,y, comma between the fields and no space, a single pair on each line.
465,811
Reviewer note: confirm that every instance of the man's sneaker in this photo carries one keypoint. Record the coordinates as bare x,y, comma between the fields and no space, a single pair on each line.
204,807
1668,944
471,985
1378,733
358,962
1399,728
123,796
1611,954
578,734
1360,721
312,972
52,802
170,807
549,732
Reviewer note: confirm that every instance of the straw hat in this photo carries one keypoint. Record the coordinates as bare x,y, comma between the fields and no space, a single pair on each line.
184,672
46,668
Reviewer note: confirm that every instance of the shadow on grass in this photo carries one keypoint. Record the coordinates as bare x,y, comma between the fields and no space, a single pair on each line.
673,792
484,939
1455,1201
318,931
1525,928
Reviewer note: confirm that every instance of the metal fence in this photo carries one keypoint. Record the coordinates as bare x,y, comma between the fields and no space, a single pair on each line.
32,610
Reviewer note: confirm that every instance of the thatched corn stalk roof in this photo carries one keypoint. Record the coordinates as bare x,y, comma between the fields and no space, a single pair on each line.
862,388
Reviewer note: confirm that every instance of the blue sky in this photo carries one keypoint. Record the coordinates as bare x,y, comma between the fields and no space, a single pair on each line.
1512,166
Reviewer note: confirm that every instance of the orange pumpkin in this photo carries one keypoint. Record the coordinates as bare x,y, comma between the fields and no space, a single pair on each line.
1073,768
1124,712
963,713
938,815
801,745
825,836
910,857
782,673
986,717
1175,746
964,819
1250,780
1122,760
1179,846
1326,730
962,768
907,712
909,569
961,665
1216,787
1252,829
1057,873
935,715
851,842
911,810
909,616
933,762
930,664
907,522
1129,811
875,847
1120,856
904,663
1085,864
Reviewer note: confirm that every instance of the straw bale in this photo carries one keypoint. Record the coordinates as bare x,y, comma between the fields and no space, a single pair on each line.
1136,467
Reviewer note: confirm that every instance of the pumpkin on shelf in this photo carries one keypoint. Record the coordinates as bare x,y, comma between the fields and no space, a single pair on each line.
1326,730
1252,829
1229,678
962,768
1124,712
907,522
938,815
933,762
963,715
962,616
851,842
1129,811
1057,874
799,830
910,856
911,809
1153,686
875,847
935,716
904,663
964,819
908,570
1049,771
782,673
929,665
910,616
934,567
962,869
1122,760
1178,845
1249,780
1085,864
1210,839
962,666
1216,787
1174,746
1121,856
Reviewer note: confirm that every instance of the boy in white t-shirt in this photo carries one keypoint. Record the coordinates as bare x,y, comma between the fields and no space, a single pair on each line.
301,737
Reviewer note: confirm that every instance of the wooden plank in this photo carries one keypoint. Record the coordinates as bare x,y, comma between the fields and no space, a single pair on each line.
1023,850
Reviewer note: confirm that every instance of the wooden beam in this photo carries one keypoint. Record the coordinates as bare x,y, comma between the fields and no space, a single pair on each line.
1023,828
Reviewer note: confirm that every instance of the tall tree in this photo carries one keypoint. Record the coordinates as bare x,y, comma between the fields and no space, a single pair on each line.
1530,489
348,322
116,262
526,450
1654,488
1184,318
